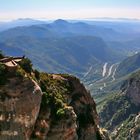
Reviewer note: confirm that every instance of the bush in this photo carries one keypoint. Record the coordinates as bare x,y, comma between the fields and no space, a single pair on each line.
20,72
45,100
60,112
26,65
37,74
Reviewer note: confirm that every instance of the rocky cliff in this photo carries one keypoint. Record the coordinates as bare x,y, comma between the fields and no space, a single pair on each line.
40,106
132,88
20,99
121,113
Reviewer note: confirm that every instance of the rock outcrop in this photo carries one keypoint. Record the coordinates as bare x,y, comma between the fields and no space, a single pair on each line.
79,120
20,100
132,88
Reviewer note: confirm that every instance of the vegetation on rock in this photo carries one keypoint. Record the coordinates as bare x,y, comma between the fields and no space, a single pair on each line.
119,111
26,65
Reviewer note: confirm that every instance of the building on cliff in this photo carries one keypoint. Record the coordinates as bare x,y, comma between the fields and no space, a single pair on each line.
11,62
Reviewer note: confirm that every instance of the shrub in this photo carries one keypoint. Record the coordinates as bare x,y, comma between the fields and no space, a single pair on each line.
26,65
60,112
20,72
45,100
37,74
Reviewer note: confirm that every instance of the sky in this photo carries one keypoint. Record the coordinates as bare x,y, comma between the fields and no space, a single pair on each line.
69,9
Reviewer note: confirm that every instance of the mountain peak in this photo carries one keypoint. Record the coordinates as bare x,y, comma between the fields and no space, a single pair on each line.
60,21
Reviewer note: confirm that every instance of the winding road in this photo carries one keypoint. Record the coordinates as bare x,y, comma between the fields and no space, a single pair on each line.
89,70
104,69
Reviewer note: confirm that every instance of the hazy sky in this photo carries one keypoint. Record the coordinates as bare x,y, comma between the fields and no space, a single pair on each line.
68,9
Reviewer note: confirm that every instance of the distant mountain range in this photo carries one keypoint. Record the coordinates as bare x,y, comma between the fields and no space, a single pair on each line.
61,46
85,50
19,22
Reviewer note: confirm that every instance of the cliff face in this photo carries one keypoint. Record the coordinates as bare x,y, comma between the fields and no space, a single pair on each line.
120,114
132,89
49,107
20,99
129,129
69,115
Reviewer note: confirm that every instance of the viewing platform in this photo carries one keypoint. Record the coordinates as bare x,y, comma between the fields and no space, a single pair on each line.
11,62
